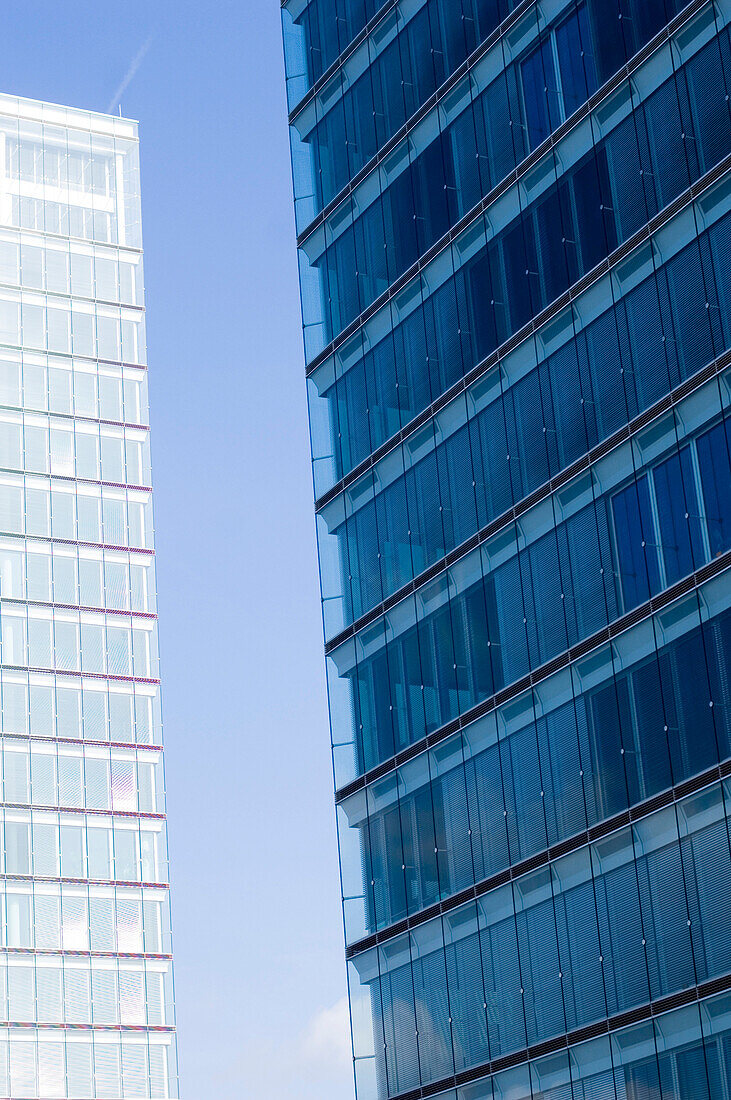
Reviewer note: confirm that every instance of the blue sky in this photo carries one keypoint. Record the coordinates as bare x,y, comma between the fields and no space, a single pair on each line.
260,978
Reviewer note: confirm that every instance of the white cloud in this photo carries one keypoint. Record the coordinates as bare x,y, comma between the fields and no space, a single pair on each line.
326,1039
313,1062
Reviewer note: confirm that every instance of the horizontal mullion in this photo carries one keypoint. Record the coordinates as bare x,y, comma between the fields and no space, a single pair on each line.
68,953
55,605
40,739
72,542
59,880
115,677
138,815
129,1029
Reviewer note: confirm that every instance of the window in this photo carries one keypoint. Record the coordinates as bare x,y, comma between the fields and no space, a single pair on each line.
541,95
661,531
637,562
714,462
575,60
681,538
558,76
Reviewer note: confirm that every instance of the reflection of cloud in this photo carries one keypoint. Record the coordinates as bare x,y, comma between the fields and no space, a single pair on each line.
129,75
326,1039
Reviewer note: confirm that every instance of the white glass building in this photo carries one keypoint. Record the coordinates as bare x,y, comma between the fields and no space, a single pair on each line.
86,994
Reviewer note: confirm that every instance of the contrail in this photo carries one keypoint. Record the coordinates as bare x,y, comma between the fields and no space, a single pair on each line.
129,75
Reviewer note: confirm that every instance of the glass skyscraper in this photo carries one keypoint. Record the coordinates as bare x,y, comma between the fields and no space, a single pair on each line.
514,231
86,1000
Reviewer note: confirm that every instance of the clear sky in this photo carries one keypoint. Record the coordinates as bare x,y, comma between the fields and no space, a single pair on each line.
260,978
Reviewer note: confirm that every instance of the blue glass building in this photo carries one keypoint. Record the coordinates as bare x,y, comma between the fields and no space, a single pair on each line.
514,232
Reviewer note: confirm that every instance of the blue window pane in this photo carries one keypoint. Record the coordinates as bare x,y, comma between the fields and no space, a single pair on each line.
648,761
576,60
608,37
540,95
637,558
715,466
681,536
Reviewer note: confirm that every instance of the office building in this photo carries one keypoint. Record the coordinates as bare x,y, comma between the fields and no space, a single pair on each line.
86,999
514,231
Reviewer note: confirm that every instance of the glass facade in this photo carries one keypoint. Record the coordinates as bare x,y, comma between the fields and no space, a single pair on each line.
514,230
86,994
